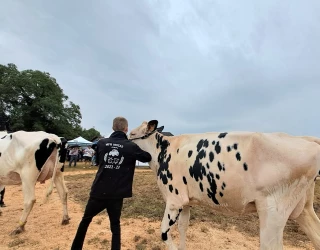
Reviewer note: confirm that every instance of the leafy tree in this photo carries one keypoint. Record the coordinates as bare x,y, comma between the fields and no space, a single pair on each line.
34,101
89,134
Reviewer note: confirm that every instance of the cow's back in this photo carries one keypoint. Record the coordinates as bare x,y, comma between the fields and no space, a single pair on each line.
27,150
230,170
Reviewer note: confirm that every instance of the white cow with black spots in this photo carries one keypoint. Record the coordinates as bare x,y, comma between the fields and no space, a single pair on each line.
235,173
30,157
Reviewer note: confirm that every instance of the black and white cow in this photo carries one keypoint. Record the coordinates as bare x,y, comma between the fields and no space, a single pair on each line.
235,173
30,157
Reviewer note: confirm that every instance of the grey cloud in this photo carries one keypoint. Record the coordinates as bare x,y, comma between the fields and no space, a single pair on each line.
196,66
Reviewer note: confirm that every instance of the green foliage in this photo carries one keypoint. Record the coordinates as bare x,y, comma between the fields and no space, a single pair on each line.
89,134
34,101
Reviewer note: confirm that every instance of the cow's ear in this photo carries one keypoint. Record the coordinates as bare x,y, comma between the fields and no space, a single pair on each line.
152,125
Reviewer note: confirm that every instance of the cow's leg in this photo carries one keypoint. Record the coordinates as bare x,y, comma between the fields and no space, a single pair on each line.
2,189
271,234
272,217
183,224
63,193
275,209
28,189
309,221
170,217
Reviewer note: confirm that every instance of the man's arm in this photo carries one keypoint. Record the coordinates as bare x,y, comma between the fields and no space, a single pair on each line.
142,155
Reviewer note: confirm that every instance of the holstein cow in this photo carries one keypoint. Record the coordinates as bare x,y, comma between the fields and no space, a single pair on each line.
235,173
28,157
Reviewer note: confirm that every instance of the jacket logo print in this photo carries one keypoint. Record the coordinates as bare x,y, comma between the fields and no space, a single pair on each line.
112,159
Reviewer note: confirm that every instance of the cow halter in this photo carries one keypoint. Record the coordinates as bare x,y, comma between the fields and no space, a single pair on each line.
145,136
159,129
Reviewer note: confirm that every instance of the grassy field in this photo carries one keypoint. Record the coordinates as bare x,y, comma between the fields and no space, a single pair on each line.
147,202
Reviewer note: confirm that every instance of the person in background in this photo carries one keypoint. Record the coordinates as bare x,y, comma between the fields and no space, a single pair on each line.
73,156
80,155
93,161
116,157
87,155
94,157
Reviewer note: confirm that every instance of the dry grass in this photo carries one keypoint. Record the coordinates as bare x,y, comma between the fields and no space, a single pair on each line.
16,242
98,243
148,202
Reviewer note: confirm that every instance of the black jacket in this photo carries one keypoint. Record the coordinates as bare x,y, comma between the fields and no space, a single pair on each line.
116,157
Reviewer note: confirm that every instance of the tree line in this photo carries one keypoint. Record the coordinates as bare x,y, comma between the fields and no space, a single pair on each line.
32,100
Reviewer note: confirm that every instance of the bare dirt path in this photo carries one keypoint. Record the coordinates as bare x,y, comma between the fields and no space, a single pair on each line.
43,229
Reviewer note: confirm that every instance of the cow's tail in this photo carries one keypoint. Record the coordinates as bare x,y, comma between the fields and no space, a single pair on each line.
50,188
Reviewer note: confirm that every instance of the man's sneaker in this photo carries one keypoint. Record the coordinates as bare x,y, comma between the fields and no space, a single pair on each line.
2,204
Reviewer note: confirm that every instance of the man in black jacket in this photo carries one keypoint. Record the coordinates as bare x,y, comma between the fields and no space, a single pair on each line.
116,158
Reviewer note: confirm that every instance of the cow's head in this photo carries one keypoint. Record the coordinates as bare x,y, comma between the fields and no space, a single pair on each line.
145,129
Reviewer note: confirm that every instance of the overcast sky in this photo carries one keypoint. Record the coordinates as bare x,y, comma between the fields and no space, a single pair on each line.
196,66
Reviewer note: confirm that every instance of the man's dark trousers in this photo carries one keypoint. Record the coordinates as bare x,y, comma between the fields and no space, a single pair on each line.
95,206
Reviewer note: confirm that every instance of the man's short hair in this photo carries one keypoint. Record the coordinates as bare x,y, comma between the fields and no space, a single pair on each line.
119,123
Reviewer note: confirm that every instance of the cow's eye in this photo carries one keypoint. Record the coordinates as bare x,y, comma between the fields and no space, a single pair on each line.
133,134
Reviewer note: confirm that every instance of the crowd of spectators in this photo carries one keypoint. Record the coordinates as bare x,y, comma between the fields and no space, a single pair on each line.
81,154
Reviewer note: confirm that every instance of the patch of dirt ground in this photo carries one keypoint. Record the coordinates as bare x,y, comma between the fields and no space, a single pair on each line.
43,229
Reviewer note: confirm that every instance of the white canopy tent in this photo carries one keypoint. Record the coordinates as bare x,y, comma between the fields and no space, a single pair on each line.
79,141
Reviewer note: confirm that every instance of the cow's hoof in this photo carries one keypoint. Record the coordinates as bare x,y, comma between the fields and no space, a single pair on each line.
65,221
18,230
